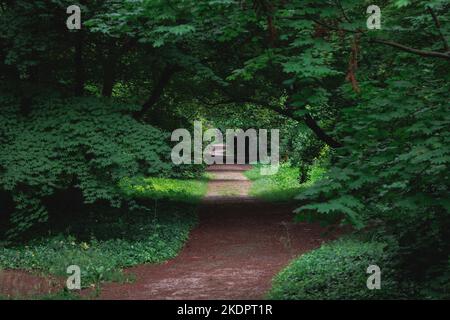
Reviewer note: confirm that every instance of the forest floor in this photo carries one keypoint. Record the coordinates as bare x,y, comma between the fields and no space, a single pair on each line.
239,245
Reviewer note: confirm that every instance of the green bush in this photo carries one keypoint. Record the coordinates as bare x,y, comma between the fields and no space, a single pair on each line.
299,145
283,185
392,173
87,143
165,188
337,271
102,243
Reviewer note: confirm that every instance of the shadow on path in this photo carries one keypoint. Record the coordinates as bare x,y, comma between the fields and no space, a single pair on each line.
234,252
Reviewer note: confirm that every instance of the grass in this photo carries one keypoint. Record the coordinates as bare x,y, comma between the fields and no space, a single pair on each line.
164,188
103,244
102,240
282,186
60,295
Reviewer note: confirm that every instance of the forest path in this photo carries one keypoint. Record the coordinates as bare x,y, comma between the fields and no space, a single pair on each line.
238,246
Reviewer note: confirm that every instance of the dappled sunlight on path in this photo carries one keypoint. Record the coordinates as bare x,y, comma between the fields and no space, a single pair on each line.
234,252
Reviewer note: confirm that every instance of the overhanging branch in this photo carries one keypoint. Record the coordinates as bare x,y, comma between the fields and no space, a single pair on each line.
437,23
423,53
163,81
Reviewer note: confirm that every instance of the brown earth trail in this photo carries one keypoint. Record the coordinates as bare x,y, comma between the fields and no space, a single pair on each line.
239,245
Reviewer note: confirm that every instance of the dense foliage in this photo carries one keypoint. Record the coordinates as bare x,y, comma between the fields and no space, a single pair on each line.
90,145
338,271
373,103
165,188
285,184
104,242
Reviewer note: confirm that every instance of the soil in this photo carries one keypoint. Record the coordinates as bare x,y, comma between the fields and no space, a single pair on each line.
21,284
237,248
239,245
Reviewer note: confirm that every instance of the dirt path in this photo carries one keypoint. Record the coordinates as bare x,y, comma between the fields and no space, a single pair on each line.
22,284
234,252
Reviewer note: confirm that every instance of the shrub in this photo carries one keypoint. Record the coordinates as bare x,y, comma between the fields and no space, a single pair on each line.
165,188
337,271
88,143
103,243
391,175
283,185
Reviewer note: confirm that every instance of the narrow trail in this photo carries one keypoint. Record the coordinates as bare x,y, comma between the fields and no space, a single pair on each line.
238,246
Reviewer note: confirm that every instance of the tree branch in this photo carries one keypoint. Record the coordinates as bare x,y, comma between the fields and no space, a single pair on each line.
311,124
323,24
423,53
79,63
111,63
437,23
433,54
287,112
217,103
346,17
166,76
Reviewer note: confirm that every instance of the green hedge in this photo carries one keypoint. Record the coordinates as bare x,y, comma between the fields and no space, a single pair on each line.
86,143
182,190
103,243
283,185
337,271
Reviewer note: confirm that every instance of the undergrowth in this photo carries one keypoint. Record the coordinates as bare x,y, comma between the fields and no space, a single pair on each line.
282,186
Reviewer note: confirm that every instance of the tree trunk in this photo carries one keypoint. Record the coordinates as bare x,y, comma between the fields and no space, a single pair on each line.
320,133
158,90
109,75
79,64
312,124
110,66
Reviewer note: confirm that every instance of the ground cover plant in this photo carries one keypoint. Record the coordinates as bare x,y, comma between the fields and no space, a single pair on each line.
104,242
336,271
360,101
283,186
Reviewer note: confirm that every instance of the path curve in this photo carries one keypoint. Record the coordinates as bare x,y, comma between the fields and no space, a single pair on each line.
239,245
